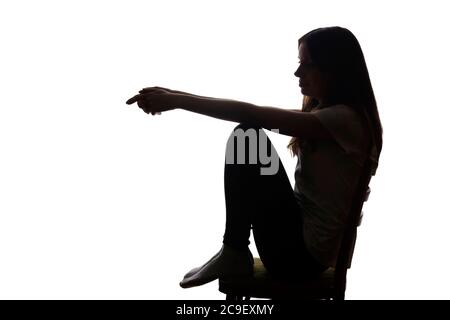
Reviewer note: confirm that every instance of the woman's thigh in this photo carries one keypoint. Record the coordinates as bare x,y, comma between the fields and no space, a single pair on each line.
278,235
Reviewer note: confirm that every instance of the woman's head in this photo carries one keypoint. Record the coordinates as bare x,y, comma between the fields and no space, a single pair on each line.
335,65
333,71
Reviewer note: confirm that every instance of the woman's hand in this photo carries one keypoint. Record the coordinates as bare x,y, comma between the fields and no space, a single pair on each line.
155,100
160,89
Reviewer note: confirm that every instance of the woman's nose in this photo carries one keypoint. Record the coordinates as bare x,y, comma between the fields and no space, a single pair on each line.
297,72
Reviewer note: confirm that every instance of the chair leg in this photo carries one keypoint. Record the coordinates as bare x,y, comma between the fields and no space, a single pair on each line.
339,297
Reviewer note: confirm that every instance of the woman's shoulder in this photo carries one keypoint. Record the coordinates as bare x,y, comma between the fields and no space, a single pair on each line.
339,114
347,126
342,108
337,111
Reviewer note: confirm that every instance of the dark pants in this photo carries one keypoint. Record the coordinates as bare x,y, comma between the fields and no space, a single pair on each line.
266,204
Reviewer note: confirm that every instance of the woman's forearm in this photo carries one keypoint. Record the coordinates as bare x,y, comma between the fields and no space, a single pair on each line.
191,94
225,109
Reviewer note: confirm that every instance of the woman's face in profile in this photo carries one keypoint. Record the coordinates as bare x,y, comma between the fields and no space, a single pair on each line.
312,81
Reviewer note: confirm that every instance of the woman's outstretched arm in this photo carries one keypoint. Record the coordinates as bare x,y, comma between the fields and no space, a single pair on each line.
288,122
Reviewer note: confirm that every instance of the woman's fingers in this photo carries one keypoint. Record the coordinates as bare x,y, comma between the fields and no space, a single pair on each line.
135,99
145,90
148,101
150,90
141,104
145,106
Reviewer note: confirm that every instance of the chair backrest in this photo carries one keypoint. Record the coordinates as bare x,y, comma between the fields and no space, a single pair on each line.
349,237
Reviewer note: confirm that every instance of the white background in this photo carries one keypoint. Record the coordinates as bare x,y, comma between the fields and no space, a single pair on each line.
100,201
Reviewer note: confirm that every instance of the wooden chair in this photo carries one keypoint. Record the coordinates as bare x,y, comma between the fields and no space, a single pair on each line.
330,285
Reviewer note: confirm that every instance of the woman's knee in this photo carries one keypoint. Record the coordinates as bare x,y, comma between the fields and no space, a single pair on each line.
245,126
244,141
249,144
251,132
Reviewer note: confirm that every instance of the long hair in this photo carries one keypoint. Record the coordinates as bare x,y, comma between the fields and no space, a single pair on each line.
336,51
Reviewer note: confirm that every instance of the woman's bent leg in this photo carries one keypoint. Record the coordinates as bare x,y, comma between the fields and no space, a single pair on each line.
266,203
242,179
248,192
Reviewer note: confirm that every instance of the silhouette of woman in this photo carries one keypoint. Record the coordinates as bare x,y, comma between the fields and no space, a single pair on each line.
331,136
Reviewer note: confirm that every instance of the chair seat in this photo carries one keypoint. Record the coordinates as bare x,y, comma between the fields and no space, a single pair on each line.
262,285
